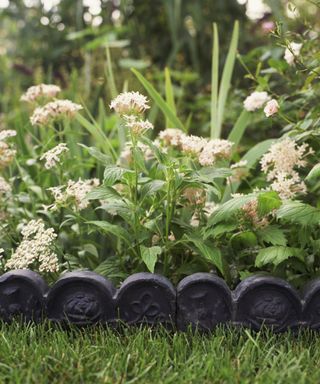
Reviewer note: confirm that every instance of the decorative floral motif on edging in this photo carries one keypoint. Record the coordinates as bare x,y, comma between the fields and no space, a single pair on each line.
201,300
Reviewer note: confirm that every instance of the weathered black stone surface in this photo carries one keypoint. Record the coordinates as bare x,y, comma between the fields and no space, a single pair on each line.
311,306
82,298
203,301
146,298
22,296
267,301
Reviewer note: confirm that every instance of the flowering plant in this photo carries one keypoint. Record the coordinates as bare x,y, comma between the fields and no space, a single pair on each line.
169,201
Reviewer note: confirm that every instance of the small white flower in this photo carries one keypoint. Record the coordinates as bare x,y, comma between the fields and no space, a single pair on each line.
42,90
292,52
172,136
239,164
255,101
6,133
128,103
192,145
214,150
52,156
136,125
271,108
35,246
54,110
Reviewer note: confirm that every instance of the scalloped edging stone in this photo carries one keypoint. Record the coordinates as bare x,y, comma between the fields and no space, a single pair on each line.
201,301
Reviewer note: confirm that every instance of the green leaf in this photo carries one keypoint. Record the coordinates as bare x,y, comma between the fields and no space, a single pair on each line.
169,96
158,99
228,209
114,173
277,254
267,202
273,235
214,81
101,157
114,230
314,173
299,213
150,256
239,128
226,77
98,134
244,240
220,229
208,252
103,193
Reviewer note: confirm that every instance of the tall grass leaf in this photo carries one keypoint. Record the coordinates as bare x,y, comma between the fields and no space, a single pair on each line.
102,140
109,75
158,99
214,82
169,96
239,128
226,77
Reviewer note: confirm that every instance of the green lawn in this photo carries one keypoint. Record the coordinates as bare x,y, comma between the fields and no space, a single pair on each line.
42,354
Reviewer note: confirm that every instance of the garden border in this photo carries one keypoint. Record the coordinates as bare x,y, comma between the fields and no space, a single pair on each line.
201,300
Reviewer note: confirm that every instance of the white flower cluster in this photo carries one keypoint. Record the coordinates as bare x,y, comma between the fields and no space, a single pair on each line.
74,193
52,157
40,91
7,153
54,110
207,151
35,247
259,99
136,125
128,103
291,52
172,137
280,164
7,133
5,187
131,106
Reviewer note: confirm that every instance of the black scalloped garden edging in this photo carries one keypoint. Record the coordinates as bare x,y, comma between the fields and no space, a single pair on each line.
201,301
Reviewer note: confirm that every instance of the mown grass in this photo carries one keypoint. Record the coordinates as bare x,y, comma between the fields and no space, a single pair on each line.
44,354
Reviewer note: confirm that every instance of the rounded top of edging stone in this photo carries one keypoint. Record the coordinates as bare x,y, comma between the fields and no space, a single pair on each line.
310,289
256,281
203,277
28,276
86,276
145,277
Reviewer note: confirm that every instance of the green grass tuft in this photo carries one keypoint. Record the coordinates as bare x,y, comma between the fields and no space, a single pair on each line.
45,354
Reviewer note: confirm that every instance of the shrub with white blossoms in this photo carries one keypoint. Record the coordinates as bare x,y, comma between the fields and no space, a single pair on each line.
35,249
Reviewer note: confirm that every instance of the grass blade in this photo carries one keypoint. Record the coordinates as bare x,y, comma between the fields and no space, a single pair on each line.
169,96
226,77
239,128
214,82
158,99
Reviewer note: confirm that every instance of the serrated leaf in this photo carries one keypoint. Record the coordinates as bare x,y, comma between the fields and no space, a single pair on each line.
267,202
114,173
276,255
226,210
299,213
208,252
273,235
150,256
